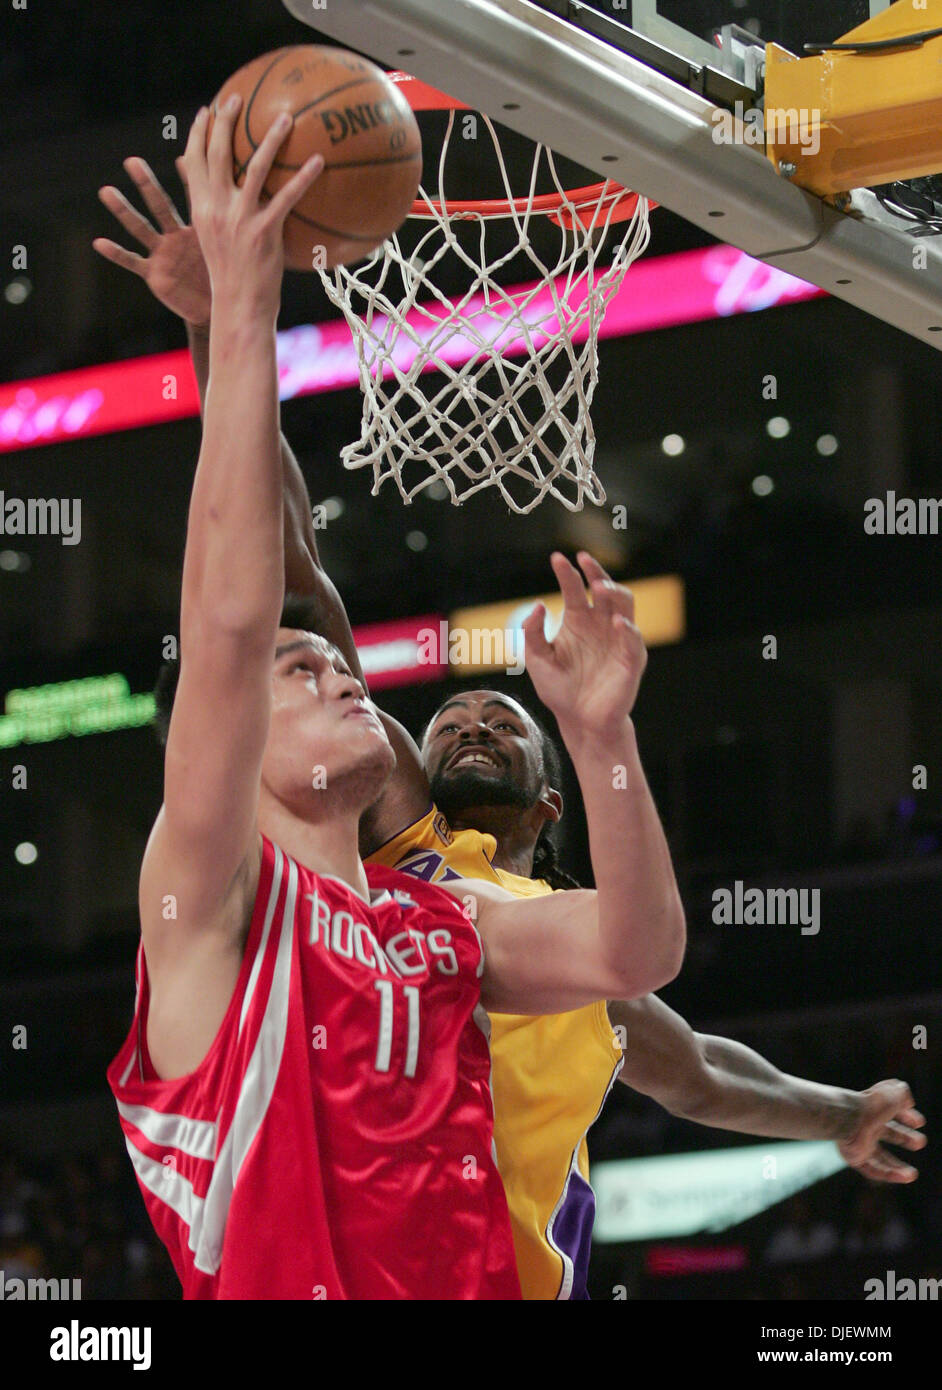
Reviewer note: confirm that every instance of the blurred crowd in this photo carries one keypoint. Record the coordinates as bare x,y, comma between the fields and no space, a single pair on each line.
843,1239
907,832
83,1218
827,1241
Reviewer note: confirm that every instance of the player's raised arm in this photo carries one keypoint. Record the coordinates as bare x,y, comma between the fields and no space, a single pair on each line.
589,677
175,271
233,582
553,954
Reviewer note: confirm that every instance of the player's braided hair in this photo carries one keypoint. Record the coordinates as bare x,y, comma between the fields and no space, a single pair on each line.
546,850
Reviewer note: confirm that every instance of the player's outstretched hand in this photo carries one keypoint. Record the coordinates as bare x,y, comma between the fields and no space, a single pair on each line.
174,269
241,235
888,1116
589,674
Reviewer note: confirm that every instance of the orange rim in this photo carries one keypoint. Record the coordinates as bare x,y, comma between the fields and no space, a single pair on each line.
624,203
422,97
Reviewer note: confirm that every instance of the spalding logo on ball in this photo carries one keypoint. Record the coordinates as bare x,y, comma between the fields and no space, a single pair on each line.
345,108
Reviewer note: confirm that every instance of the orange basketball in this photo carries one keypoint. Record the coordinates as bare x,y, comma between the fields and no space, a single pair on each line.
345,108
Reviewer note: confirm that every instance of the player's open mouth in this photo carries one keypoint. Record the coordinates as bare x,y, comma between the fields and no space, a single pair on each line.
476,757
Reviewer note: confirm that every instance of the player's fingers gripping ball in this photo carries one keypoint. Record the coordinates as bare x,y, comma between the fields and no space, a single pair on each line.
345,108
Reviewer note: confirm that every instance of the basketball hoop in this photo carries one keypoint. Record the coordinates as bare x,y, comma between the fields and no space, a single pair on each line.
518,366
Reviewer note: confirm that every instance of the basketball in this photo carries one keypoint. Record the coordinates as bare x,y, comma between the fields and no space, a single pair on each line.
345,108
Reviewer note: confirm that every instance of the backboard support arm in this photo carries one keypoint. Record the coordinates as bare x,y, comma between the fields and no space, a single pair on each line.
552,81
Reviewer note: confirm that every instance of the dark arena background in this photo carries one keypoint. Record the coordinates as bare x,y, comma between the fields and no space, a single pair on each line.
790,728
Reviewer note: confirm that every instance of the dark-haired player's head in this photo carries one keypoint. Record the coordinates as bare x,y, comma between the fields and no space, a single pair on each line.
493,767
326,749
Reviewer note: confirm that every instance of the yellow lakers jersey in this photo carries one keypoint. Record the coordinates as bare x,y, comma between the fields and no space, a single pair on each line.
550,1076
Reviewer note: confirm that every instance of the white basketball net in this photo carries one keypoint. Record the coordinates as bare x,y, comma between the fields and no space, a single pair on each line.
515,414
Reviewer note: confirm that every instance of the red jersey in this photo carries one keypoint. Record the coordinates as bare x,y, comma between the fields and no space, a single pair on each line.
336,1140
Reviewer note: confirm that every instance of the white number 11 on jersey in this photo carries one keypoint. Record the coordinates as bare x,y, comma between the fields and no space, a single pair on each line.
384,1042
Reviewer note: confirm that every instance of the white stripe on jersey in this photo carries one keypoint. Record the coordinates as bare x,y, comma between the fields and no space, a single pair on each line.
206,1216
167,1184
258,1083
483,1021
260,953
194,1137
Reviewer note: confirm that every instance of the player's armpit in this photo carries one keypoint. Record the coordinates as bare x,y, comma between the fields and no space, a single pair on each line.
201,866
193,961
663,1055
